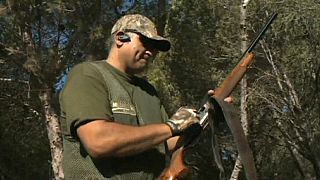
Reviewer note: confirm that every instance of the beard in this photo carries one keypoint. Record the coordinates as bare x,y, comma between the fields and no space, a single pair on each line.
138,67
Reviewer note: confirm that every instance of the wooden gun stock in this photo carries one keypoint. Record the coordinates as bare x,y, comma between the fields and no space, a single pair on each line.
225,89
177,168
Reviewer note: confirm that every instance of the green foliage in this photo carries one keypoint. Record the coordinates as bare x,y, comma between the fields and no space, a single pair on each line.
38,39
197,60
286,96
204,45
23,140
205,38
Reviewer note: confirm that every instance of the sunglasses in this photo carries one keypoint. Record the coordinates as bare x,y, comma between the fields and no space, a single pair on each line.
147,42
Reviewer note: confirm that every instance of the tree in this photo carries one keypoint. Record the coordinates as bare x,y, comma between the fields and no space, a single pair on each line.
204,43
45,38
243,83
288,111
274,82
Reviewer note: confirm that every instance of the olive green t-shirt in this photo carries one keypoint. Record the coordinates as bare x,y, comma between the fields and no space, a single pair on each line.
87,96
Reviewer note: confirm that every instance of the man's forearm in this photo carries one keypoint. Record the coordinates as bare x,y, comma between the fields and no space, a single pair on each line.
109,139
173,143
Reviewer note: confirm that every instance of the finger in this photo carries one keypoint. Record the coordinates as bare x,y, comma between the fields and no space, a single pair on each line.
193,112
211,92
228,99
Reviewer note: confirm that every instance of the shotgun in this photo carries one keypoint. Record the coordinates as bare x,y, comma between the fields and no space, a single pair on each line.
177,168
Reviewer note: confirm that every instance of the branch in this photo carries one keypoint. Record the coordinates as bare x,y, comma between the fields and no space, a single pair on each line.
14,80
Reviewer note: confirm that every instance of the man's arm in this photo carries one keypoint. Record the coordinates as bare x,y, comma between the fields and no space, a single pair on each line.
108,139
103,138
173,143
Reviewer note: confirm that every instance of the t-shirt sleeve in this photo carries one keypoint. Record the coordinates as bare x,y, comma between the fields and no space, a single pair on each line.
85,97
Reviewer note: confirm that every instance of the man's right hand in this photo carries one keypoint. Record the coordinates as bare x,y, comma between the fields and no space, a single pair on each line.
182,119
228,99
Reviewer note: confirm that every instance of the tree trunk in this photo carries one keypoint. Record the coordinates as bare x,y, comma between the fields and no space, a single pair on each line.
162,17
54,133
316,167
52,122
243,109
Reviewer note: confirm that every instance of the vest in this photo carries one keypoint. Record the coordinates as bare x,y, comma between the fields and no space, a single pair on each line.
125,111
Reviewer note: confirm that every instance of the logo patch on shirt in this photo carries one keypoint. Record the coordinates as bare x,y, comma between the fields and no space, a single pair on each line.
123,107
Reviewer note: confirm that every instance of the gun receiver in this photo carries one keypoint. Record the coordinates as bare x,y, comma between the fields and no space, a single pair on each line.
177,168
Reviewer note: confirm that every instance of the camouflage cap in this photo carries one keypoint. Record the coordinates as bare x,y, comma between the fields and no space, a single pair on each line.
144,26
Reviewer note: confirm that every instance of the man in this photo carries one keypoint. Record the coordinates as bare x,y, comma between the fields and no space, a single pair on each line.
114,126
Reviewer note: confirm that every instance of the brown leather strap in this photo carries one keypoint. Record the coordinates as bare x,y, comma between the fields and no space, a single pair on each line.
231,116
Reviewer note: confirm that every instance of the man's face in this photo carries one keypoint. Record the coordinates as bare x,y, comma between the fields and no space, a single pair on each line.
137,53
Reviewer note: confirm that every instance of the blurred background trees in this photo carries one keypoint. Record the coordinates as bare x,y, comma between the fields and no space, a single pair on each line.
39,39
